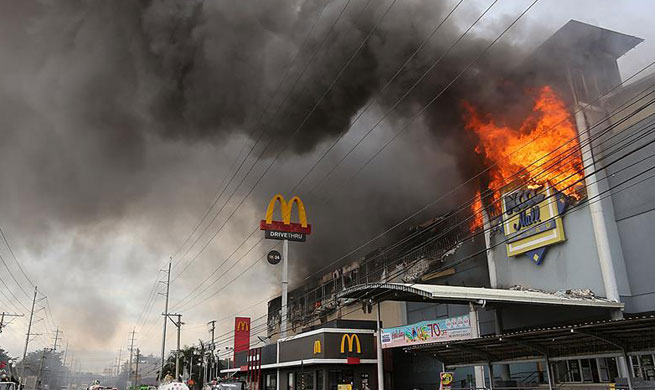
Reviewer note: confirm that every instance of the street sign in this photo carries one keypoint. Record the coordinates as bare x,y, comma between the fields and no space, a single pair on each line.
274,257
278,235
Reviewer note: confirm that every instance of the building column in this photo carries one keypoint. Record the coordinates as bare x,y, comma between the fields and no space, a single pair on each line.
597,214
491,376
498,323
475,332
551,382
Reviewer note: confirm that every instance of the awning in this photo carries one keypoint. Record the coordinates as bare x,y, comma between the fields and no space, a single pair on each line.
593,339
466,295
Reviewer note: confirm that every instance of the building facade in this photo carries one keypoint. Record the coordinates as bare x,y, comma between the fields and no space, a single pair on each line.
603,254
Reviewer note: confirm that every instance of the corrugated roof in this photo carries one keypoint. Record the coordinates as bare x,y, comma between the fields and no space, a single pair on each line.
609,337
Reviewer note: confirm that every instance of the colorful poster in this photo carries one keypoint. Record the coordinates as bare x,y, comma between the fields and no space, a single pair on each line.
449,329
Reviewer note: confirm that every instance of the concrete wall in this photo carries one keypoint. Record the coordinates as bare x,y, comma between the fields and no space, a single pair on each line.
634,204
571,264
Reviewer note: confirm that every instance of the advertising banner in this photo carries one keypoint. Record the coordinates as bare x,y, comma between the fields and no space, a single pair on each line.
449,329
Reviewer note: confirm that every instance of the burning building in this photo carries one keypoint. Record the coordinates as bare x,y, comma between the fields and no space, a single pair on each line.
557,233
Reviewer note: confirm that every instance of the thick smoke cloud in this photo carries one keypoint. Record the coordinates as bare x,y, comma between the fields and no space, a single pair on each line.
119,118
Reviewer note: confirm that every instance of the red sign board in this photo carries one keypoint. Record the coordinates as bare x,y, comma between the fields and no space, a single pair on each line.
241,334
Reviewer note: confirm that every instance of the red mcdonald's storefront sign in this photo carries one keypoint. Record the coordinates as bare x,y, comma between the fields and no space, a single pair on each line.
241,334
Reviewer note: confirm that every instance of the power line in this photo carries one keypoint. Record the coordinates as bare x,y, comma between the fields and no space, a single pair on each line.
278,89
220,193
316,105
613,126
11,251
325,93
522,14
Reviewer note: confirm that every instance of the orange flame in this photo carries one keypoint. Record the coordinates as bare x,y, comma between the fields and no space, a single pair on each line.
477,222
543,149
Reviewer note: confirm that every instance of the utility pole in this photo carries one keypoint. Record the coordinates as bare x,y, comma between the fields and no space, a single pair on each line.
37,385
2,319
63,363
191,365
163,339
54,347
201,372
27,339
177,355
212,347
178,324
118,364
129,370
136,372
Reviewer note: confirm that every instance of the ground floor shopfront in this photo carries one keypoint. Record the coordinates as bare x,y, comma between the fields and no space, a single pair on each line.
601,354
338,355
321,377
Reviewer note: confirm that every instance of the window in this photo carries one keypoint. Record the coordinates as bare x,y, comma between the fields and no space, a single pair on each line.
319,380
270,382
306,381
587,370
574,371
607,369
561,371
648,367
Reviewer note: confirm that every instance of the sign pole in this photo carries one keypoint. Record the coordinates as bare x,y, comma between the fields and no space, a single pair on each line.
286,231
285,288
379,348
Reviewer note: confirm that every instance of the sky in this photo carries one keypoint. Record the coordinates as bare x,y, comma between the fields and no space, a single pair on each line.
107,164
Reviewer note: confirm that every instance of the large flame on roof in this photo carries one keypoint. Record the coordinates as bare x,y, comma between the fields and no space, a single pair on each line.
543,149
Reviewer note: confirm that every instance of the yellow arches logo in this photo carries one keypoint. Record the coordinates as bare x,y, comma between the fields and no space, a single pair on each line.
285,225
352,339
243,326
286,210
317,347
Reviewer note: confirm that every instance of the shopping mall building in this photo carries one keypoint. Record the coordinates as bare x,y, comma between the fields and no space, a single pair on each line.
554,290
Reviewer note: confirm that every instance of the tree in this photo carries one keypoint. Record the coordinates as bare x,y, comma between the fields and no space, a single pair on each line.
190,357
46,366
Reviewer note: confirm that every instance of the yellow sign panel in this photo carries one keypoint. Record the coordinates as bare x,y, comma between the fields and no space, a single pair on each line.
317,347
345,387
243,326
286,210
532,221
353,340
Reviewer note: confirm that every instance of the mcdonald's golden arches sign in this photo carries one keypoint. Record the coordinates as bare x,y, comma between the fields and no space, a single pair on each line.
352,341
317,347
285,229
